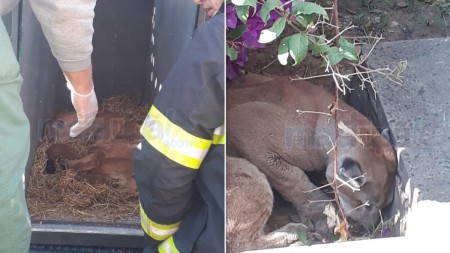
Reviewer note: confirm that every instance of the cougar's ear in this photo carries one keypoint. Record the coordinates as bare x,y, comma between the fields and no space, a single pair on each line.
350,172
52,129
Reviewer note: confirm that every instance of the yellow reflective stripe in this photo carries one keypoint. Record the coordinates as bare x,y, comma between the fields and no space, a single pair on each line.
177,131
219,136
156,231
168,246
174,142
218,139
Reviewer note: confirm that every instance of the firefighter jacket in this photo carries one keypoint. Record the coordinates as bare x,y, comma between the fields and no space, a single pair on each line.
179,165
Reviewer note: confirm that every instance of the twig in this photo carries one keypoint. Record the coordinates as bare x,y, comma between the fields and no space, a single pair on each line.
309,77
349,132
288,2
364,204
317,188
329,184
360,37
363,59
333,146
368,71
319,201
351,180
387,72
263,68
306,70
354,189
336,37
312,112
336,130
336,18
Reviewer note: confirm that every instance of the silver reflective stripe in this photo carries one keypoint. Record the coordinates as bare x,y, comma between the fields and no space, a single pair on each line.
219,130
166,246
158,232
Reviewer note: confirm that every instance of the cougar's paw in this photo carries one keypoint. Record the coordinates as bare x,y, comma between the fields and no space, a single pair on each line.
321,226
313,217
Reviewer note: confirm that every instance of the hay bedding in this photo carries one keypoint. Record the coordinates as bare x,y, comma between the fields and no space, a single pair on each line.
62,196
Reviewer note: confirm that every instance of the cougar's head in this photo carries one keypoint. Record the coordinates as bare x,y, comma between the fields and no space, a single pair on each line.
365,178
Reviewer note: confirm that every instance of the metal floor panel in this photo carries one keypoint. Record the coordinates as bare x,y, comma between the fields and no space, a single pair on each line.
87,235
79,249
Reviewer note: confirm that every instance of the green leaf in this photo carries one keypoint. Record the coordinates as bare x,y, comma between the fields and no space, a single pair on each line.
320,47
242,13
301,236
334,55
300,7
231,52
348,50
298,47
268,6
305,20
236,32
269,35
244,2
283,50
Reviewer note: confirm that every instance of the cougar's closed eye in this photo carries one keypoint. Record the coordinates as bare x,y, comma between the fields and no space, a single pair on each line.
350,169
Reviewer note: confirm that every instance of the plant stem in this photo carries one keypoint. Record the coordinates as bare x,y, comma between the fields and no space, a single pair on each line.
336,19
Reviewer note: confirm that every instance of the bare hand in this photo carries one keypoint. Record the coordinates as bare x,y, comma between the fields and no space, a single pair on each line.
210,6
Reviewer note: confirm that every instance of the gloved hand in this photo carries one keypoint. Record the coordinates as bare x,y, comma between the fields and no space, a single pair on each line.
86,107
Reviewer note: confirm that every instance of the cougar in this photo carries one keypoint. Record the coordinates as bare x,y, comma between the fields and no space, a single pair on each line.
288,131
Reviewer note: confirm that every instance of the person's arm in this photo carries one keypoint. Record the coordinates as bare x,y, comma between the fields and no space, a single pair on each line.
7,5
178,132
210,6
68,27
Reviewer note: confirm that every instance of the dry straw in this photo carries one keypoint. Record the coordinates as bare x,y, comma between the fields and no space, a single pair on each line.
65,196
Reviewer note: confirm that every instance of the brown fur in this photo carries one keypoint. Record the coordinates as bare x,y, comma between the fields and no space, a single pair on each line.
109,158
105,161
106,126
249,205
263,127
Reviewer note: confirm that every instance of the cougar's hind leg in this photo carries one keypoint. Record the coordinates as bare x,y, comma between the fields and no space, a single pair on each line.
249,204
89,162
281,237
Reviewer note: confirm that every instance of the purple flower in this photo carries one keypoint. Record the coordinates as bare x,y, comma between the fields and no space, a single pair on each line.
386,232
232,70
232,18
249,38
251,35
242,57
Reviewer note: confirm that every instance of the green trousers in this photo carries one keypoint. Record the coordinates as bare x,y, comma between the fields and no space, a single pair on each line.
15,228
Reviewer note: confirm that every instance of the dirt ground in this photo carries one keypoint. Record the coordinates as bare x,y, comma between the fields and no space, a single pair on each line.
394,20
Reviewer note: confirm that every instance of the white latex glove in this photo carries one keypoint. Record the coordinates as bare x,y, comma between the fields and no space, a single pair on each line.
86,107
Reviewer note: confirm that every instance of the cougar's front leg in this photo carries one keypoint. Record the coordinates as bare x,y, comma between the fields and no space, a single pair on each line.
294,185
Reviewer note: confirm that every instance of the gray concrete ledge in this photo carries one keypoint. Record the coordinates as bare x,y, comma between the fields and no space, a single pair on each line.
418,111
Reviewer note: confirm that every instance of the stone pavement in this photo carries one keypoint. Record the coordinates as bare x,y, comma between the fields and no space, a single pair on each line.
419,110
